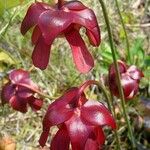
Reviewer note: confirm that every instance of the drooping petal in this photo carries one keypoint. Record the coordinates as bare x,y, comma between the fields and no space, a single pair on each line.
36,34
21,78
61,140
88,19
35,103
122,68
41,53
95,140
53,24
82,58
130,86
135,73
18,76
44,135
96,113
23,92
60,110
18,104
78,132
32,16
7,92
94,36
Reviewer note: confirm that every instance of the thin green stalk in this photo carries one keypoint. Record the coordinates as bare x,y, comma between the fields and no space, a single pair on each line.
117,73
115,116
125,32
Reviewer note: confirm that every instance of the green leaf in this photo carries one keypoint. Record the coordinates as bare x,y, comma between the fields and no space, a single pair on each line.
6,58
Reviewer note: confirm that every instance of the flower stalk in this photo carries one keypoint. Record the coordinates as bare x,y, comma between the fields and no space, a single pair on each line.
117,73
125,33
60,3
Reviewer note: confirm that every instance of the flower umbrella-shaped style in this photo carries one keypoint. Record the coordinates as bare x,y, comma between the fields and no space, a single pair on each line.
130,78
19,92
79,120
66,20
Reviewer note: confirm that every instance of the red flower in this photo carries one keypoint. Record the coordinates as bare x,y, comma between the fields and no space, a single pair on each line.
20,91
130,78
79,120
52,21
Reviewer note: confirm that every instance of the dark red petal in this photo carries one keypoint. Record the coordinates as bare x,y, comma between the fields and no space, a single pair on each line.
60,110
95,140
82,58
130,86
18,75
61,140
21,78
54,23
91,145
18,104
135,73
88,19
94,36
41,54
122,69
32,16
44,136
23,92
96,113
74,5
7,92
36,34
78,132
35,103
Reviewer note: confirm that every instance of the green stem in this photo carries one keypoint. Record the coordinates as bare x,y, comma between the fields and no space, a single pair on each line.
115,116
125,32
117,72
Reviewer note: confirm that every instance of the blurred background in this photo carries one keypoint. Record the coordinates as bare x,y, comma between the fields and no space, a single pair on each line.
22,131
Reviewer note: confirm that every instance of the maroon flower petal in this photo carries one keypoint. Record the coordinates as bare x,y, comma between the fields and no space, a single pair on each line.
36,35
18,76
94,36
96,113
122,69
61,140
7,92
53,23
78,132
82,58
96,139
60,110
32,16
74,6
91,145
23,92
21,78
135,73
130,86
44,135
35,103
41,53
88,19
18,104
